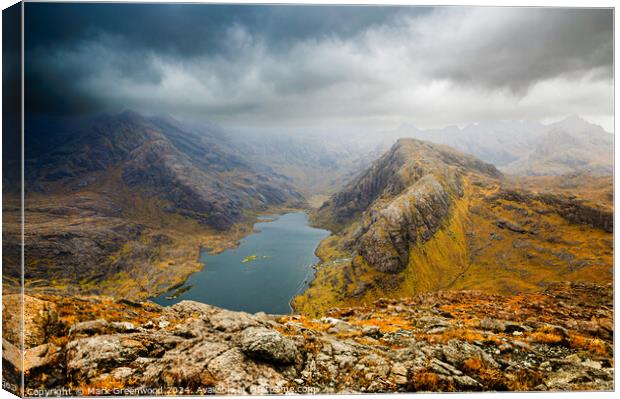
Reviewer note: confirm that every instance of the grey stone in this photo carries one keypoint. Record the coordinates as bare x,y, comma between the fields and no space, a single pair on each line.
89,327
121,373
123,327
102,352
440,367
268,345
232,321
371,331
492,325
465,382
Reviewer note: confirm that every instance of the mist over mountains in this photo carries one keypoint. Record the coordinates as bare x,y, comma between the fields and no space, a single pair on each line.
523,147
314,163
516,147
195,173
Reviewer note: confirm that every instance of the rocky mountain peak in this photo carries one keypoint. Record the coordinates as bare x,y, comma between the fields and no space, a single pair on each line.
526,147
403,199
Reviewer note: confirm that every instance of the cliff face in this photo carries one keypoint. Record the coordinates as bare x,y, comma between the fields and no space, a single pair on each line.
402,200
412,217
560,339
425,218
568,207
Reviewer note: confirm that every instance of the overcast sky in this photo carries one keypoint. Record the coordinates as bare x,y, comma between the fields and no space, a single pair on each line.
321,67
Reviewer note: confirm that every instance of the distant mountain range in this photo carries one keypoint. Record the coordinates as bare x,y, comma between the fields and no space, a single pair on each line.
525,147
314,166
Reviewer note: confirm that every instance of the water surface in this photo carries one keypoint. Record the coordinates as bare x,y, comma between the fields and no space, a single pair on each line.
279,259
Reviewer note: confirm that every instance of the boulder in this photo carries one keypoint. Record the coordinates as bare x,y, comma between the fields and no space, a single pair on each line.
123,327
492,325
101,353
90,327
268,345
400,373
338,326
232,321
466,383
372,331
40,320
456,352
41,356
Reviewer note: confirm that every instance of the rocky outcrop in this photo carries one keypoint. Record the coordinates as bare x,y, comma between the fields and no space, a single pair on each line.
404,164
29,318
570,208
412,218
402,200
465,341
264,344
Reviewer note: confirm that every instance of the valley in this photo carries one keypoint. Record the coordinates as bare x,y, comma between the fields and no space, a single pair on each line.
130,219
124,203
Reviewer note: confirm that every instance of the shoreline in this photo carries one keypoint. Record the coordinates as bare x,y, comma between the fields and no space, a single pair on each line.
266,216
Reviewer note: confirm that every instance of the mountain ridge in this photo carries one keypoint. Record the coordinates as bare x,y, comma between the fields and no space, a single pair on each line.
150,152
427,222
526,147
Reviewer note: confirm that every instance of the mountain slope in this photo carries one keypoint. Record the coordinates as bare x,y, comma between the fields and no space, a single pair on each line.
121,204
402,166
196,176
424,218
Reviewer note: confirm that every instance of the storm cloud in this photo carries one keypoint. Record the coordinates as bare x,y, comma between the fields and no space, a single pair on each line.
316,66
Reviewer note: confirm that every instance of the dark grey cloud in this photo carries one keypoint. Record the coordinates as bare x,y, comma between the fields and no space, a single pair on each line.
304,65
189,30
519,47
127,37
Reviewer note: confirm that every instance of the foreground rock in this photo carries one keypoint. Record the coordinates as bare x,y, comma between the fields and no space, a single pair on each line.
448,341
